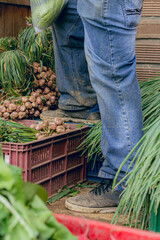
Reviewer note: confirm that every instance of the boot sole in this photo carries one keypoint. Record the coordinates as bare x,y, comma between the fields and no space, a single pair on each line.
50,116
81,209
66,119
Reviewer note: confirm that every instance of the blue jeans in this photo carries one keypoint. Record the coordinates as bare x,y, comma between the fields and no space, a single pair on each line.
108,35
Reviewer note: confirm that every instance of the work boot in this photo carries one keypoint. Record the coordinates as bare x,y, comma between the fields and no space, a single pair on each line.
84,116
99,200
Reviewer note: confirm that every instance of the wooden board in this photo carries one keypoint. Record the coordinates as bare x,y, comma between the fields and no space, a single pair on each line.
148,51
16,2
12,19
148,41
147,71
151,8
149,28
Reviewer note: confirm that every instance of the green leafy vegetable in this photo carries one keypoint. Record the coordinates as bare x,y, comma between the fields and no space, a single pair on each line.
23,213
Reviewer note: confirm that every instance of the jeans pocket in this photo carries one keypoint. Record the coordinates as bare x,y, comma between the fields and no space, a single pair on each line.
75,35
133,12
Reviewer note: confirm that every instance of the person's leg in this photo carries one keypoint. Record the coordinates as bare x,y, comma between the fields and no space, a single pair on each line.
71,67
110,31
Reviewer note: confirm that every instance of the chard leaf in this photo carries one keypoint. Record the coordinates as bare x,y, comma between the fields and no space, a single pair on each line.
31,190
6,178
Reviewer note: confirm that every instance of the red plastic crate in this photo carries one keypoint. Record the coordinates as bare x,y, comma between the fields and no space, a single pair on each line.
86,229
51,162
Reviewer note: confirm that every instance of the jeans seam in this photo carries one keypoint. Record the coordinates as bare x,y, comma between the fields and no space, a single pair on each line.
120,96
72,28
125,119
103,11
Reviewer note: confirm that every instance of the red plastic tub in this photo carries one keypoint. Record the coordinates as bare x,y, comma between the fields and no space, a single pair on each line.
86,229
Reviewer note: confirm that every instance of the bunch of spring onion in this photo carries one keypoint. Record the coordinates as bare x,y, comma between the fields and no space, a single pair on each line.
143,181
150,92
14,132
38,47
7,44
15,73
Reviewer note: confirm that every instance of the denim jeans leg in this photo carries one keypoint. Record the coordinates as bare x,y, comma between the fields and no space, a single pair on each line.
71,67
110,32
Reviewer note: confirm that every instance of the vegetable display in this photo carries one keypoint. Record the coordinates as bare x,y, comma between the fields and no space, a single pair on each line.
14,132
11,131
24,214
44,96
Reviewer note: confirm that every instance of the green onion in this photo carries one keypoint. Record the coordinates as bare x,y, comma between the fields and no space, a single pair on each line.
11,131
143,181
15,73
38,47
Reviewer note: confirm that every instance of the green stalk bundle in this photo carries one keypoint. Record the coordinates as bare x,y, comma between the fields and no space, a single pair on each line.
143,182
150,92
92,143
7,44
15,73
11,131
38,47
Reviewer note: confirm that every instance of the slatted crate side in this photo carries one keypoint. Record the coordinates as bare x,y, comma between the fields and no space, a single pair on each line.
40,174
74,140
17,155
75,175
40,155
47,186
58,166
57,183
74,159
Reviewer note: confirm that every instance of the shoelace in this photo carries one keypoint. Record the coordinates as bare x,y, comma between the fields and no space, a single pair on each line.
103,187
